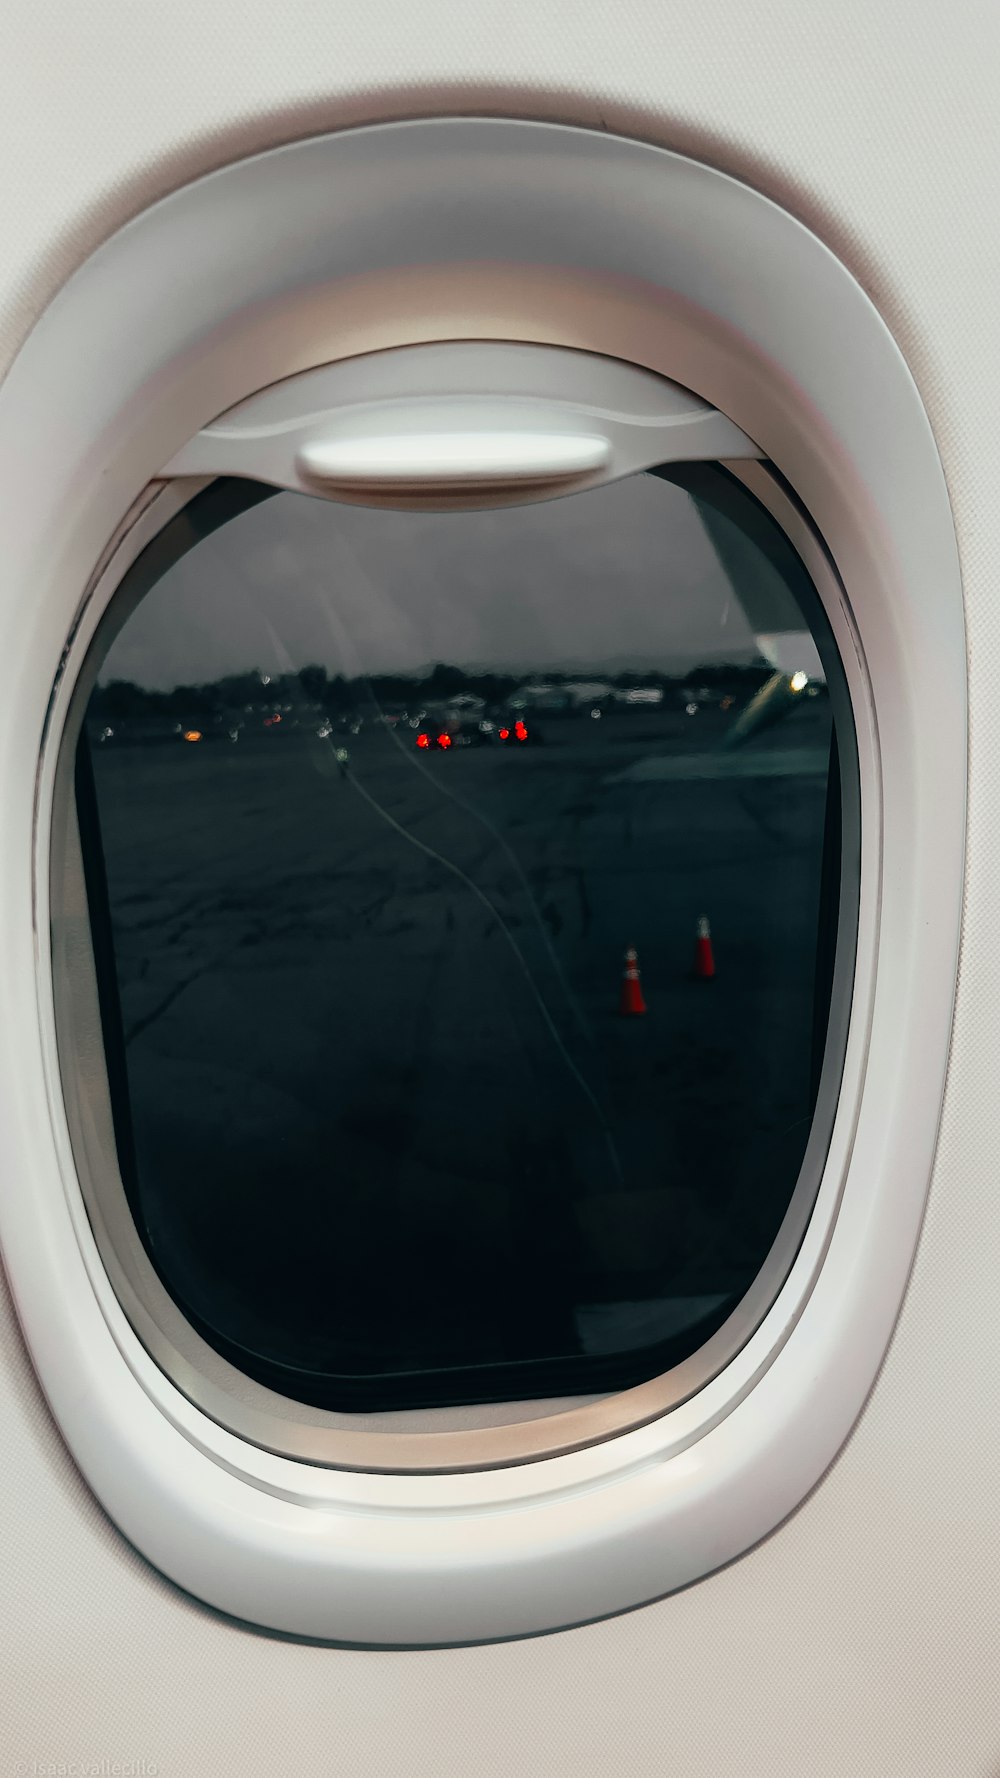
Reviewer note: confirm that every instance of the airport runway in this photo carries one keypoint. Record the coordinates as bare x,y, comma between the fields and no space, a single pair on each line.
385,1110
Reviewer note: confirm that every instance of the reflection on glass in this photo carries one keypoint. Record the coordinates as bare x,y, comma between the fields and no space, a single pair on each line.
404,831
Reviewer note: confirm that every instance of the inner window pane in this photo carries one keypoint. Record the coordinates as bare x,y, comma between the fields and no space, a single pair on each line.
374,808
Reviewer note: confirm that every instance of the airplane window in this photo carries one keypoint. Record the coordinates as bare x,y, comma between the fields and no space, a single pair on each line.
460,890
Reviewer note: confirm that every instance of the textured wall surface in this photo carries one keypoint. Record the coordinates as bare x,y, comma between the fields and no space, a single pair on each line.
861,1639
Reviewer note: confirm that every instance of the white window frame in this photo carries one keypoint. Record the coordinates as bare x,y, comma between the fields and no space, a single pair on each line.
470,228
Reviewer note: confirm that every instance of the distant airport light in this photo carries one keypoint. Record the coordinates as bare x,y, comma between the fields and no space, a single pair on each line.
799,681
192,734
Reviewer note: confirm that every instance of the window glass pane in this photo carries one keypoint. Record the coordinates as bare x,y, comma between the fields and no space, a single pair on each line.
457,883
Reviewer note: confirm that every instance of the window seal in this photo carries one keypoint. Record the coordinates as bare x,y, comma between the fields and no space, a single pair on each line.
264,1403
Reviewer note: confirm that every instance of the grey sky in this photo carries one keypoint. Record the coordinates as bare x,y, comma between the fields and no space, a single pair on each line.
622,574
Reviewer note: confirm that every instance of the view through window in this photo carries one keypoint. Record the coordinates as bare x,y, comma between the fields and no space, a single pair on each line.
457,883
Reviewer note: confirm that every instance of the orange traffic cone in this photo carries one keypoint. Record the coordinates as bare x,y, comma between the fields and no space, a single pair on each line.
704,962
632,1001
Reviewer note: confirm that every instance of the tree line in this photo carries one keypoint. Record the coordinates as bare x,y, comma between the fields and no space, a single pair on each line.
121,699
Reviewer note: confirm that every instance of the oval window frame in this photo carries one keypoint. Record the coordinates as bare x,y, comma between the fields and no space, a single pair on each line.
403,1441
432,1559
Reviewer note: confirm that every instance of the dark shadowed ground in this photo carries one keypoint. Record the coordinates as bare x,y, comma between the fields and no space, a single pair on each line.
387,1117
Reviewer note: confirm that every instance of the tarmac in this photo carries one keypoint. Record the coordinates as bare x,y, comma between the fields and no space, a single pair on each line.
387,1117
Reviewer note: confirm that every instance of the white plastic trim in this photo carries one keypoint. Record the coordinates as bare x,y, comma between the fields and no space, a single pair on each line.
307,247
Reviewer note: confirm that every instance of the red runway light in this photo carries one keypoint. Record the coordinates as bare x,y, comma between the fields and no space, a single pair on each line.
444,740
505,734
422,741
520,731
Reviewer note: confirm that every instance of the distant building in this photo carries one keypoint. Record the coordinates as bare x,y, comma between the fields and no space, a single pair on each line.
572,694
